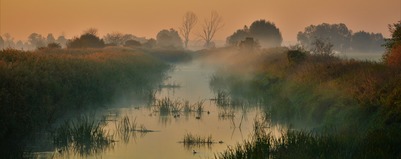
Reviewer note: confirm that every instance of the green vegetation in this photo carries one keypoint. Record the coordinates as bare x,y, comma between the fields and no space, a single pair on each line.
191,140
37,87
360,99
83,136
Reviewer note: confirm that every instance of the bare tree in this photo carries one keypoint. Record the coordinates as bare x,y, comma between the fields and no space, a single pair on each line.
92,31
188,23
210,27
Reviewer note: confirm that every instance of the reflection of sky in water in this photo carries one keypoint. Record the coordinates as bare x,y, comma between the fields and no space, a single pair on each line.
194,82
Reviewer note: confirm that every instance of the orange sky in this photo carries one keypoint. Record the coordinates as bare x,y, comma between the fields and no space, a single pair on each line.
147,17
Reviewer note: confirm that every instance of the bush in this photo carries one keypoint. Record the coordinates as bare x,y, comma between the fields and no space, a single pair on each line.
86,41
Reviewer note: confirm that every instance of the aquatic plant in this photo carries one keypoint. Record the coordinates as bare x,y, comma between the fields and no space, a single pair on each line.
83,136
191,141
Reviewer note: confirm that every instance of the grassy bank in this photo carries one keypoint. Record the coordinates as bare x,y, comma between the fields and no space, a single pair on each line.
37,87
360,99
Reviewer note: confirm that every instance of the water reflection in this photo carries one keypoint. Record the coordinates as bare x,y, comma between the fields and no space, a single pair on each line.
140,130
83,136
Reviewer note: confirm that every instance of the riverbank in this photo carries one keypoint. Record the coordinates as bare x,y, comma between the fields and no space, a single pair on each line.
40,86
358,100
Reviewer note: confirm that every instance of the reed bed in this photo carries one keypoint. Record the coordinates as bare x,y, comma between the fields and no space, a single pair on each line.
83,136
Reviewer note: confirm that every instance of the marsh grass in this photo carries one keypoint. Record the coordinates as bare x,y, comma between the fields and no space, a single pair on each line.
40,86
191,141
83,136
167,106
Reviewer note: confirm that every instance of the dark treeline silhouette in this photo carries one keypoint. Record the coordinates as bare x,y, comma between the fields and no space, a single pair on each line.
264,32
169,39
341,38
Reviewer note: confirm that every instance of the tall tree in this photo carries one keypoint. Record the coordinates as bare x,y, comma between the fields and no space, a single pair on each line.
266,33
50,38
210,27
188,23
36,40
238,36
168,39
367,42
337,34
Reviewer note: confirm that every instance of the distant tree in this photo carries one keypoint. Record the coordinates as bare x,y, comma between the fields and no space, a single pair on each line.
322,48
92,31
132,43
168,39
337,34
237,36
249,44
1,43
54,46
188,23
50,38
151,43
266,33
19,45
210,27
392,55
62,41
367,42
37,40
87,40
8,41
115,38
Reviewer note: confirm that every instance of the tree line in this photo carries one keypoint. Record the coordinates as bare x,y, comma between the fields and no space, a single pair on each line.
260,33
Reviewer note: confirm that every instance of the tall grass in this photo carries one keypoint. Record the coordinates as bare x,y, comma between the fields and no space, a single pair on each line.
37,87
191,141
83,136
358,98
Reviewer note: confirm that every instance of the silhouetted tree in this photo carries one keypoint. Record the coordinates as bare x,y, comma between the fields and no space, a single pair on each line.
367,42
50,38
86,41
132,43
393,45
238,35
210,27
249,44
36,40
168,39
92,31
54,46
115,38
151,43
266,33
337,34
62,41
188,23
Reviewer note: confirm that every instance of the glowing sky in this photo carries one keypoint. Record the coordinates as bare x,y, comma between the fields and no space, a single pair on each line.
147,17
